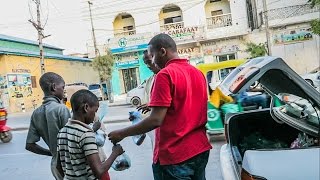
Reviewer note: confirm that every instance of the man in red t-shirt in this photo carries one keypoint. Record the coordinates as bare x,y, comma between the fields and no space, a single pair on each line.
178,113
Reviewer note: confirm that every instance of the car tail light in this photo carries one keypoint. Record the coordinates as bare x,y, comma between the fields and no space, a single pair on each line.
247,176
242,78
3,114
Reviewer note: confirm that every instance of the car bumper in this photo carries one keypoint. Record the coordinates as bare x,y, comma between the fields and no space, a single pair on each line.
228,170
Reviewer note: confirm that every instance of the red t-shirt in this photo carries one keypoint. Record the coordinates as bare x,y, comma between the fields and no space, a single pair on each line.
182,88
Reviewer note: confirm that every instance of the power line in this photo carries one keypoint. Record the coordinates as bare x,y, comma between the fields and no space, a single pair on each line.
138,10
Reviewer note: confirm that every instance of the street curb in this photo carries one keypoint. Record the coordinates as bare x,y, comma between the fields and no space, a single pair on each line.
23,128
116,105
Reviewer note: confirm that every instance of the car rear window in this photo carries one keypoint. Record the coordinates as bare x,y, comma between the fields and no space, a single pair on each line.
94,86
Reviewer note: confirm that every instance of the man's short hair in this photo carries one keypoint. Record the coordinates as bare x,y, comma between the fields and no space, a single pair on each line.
163,41
47,79
82,97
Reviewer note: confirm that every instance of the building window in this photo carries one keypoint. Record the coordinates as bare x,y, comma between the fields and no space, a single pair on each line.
170,9
212,1
172,20
127,28
33,82
126,16
216,13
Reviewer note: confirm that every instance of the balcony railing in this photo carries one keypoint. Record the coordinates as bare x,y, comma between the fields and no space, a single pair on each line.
291,11
219,21
172,26
125,33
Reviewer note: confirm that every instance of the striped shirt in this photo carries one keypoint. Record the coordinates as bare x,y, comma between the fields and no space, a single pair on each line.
76,140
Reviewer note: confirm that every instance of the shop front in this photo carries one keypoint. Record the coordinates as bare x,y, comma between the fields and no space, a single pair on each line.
129,69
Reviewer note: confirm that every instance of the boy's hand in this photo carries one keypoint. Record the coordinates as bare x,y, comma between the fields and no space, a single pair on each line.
96,126
143,108
117,149
115,136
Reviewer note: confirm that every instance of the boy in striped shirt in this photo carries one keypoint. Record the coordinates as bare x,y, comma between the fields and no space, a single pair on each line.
78,152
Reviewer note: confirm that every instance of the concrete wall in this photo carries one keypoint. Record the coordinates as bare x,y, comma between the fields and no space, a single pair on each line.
71,71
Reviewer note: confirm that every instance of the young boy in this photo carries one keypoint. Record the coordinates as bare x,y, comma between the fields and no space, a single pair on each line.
48,119
77,146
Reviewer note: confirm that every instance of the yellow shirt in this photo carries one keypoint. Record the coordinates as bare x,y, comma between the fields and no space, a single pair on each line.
217,96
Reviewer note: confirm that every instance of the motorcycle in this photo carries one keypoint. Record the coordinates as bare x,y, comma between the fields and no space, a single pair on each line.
5,131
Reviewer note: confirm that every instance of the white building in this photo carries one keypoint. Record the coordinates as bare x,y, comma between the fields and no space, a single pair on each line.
205,31
291,37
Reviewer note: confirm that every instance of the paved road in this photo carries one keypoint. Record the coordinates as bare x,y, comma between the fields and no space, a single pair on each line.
115,113
17,163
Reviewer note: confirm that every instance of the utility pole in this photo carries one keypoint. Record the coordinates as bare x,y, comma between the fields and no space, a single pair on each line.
39,28
265,12
93,33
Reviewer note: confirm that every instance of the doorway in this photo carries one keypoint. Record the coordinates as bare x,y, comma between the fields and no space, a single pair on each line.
130,79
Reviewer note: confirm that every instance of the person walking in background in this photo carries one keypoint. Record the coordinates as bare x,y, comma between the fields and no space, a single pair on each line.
178,113
48,119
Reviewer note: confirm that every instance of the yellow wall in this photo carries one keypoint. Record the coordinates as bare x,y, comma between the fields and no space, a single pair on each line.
71,71
223,5
119,23
2,65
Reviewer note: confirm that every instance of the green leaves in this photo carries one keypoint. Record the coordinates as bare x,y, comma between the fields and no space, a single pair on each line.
104,65
256,50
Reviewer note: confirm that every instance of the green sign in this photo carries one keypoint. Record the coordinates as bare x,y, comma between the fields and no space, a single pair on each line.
123,42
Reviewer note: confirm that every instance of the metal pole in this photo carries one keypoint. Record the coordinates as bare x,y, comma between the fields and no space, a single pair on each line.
265,12
93,33
40,36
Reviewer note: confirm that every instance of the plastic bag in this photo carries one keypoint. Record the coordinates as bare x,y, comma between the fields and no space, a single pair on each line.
135,117
100,138
302,141
121,163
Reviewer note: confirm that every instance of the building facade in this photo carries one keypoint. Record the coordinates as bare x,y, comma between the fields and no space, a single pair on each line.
20,71
205,31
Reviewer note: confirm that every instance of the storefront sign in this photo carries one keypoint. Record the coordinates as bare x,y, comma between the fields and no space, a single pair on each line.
183,31
186,33
21,71
291,36
190,50
212,50
129,40
126,64
130,48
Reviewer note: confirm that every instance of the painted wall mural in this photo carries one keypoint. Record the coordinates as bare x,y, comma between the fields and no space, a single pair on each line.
19,85
293,35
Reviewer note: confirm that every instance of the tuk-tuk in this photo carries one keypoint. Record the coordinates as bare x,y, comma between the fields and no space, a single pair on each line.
217,72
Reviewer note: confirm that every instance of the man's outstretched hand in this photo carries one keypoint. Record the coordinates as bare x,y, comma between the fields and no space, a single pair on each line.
115,136
143,108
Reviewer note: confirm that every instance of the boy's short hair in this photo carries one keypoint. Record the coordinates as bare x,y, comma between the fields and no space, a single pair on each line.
82,97
47,79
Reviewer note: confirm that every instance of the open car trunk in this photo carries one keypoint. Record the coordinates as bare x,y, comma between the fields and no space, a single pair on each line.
261,146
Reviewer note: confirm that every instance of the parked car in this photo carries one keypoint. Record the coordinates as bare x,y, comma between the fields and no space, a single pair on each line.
281,142
96,90
313,78
135,96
